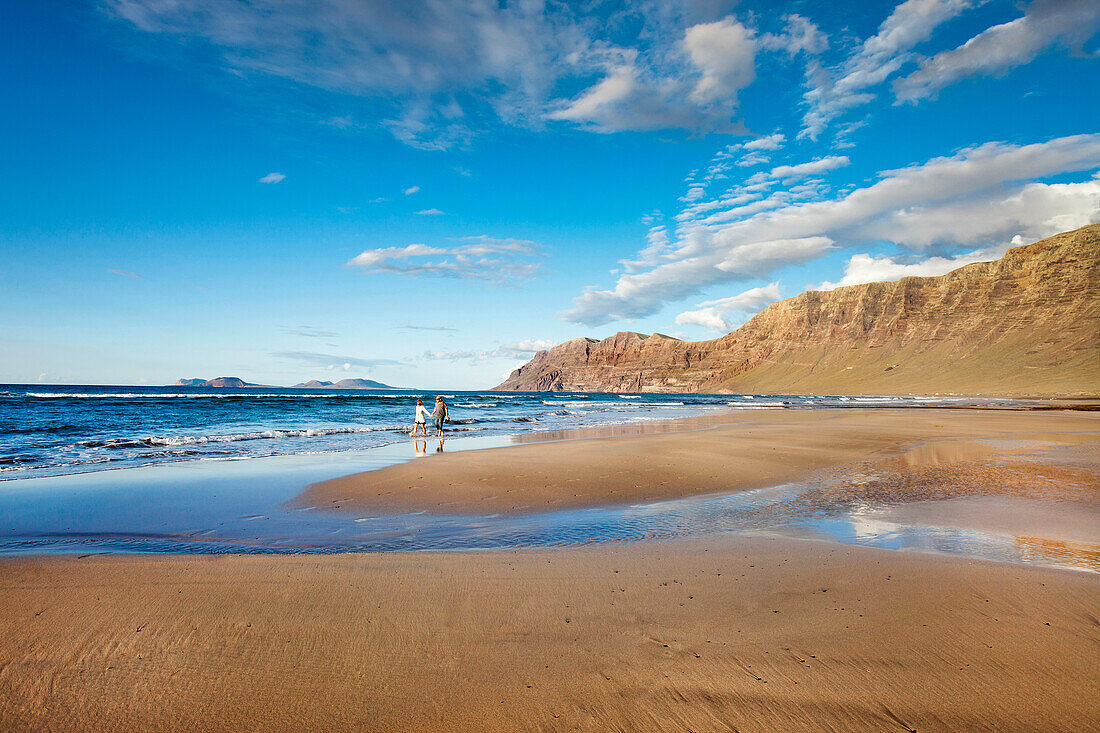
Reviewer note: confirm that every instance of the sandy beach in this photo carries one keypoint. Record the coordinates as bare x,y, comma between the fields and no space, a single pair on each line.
732,452
729,632
748,634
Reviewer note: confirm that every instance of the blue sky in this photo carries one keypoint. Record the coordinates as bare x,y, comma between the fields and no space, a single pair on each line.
424,193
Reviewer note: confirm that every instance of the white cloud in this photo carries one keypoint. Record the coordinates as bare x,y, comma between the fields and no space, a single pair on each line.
524,349
123,273
834,91
865,268
791,173
1002,47
752,153
749,160
630,99
768,142
917,208
411,190
693,87
433,61
1032,212
800,36
272,178
725,53
429,212
443,70
694,194
527,346
714,314
486,258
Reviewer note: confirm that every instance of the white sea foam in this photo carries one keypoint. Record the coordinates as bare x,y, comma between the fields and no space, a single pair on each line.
172,440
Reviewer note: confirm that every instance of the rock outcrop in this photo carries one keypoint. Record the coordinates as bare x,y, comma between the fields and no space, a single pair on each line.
1026,324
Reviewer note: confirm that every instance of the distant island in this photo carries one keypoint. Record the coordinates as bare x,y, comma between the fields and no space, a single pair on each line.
238,383
345,384
221,382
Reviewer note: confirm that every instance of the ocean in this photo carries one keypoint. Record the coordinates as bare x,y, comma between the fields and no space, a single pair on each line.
64,429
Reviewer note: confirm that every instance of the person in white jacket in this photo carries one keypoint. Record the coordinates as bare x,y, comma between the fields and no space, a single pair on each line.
421,419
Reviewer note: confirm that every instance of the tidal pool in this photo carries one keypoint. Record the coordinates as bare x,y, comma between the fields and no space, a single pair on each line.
225,506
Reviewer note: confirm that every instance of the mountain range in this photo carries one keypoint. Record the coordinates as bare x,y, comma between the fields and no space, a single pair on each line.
1026,324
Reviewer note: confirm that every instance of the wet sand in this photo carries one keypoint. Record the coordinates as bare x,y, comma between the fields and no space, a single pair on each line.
757,634
746,631
725,453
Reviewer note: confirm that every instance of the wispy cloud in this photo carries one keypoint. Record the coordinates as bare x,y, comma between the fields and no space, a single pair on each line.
411,190
429,212
124,273
308,332
791,173
432,63
272,178
518,350
715,314
484,258
983,194
698,90
834,91
442,71
326,360
410,327
1004,46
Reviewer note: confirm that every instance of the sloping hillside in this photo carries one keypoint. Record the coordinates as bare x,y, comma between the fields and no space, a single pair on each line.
1028,323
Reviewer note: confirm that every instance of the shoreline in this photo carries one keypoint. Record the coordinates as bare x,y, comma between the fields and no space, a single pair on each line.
109,452
837,474
720,453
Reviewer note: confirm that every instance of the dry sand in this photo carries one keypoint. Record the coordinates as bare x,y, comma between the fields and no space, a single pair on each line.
755,634
751,633
725,453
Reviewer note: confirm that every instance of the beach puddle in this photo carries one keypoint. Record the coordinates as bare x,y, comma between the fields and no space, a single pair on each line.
1085,555
960,499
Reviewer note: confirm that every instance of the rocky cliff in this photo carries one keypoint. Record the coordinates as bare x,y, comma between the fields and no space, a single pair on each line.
1028,323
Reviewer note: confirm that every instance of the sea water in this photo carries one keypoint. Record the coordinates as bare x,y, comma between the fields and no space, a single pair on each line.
57,430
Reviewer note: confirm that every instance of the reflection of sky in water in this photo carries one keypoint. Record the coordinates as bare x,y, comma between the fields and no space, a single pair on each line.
242,507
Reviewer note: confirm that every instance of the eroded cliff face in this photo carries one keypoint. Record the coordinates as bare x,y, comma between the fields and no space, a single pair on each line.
1028,323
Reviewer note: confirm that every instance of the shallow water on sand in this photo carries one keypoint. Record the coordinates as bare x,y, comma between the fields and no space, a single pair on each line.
245,507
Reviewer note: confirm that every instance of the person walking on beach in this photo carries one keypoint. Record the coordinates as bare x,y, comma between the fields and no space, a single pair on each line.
440,415
421,419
